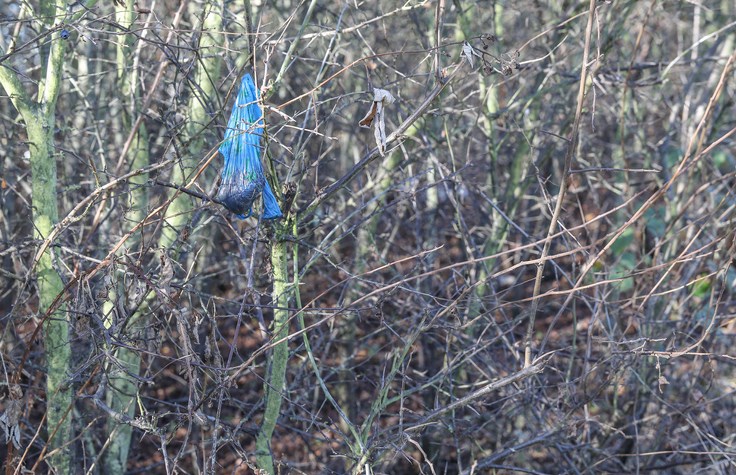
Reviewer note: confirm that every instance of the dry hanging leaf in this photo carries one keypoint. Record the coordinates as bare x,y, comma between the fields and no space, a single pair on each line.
469,52
368,119
9,419
381,95
380,98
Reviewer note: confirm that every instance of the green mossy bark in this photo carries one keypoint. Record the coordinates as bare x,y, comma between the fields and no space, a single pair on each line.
40,126
276,378
38,117
39,120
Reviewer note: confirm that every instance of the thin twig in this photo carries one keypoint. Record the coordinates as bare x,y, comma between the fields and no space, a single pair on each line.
522,374
571,149
325,194
188,191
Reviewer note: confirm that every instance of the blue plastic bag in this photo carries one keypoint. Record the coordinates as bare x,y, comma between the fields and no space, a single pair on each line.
243,178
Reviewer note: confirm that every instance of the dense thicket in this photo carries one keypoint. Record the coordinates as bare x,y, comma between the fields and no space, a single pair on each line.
532,273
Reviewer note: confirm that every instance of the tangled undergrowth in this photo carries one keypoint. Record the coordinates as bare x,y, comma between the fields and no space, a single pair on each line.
526,266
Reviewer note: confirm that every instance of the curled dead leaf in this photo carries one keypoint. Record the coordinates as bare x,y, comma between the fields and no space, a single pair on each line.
368,119
381,97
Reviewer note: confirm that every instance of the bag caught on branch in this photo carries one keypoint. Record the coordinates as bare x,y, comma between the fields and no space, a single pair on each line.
242,178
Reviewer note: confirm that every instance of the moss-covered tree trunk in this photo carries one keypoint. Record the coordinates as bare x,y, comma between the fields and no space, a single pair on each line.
276,378
38,117
40,126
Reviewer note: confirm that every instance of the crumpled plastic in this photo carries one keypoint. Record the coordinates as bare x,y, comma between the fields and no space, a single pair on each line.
242,178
